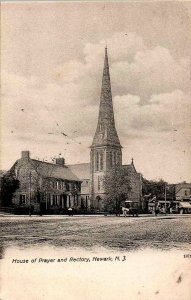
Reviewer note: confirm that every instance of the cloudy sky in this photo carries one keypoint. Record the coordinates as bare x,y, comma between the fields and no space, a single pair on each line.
52,61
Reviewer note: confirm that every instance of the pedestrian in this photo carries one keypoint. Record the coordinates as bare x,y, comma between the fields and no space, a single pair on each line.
125,211
70,211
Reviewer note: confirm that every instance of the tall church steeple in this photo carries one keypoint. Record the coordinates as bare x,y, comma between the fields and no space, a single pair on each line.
106,133
106,148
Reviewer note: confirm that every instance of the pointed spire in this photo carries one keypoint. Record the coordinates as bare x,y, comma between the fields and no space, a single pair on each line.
106,133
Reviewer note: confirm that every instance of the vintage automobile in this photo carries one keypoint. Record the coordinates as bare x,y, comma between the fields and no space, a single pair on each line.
130,208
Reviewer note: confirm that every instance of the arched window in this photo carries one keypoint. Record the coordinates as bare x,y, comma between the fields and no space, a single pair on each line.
101,160
113,158
110,159
97,161
98,183
117,158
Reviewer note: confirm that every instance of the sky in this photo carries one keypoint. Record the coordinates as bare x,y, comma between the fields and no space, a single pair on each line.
51,70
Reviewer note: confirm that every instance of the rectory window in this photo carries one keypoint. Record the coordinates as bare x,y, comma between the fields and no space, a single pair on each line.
23,199
67,186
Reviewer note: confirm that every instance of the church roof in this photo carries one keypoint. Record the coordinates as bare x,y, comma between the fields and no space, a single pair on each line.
82,171
131,168
106,133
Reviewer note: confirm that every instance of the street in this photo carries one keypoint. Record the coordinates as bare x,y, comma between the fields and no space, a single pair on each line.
117,233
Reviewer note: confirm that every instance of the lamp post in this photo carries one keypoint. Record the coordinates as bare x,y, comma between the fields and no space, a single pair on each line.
165,197
141,193
30,194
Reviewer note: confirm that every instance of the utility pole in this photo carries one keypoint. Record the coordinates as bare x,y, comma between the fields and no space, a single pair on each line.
46,195
141,193
165,197
172,199
30,194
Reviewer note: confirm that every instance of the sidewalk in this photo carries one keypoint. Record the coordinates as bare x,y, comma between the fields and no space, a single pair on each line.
141,216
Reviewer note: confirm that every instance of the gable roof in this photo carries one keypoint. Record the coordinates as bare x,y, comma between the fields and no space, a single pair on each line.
49,170
183,185
130,168
82,171
54,170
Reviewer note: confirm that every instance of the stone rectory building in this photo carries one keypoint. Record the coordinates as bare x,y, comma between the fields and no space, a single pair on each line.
79,185
45,186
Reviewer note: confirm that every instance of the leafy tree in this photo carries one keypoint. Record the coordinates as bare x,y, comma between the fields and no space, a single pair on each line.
153,187
9,184
117,185
156,189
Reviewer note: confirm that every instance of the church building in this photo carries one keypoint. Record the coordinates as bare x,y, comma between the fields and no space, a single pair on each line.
105,152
